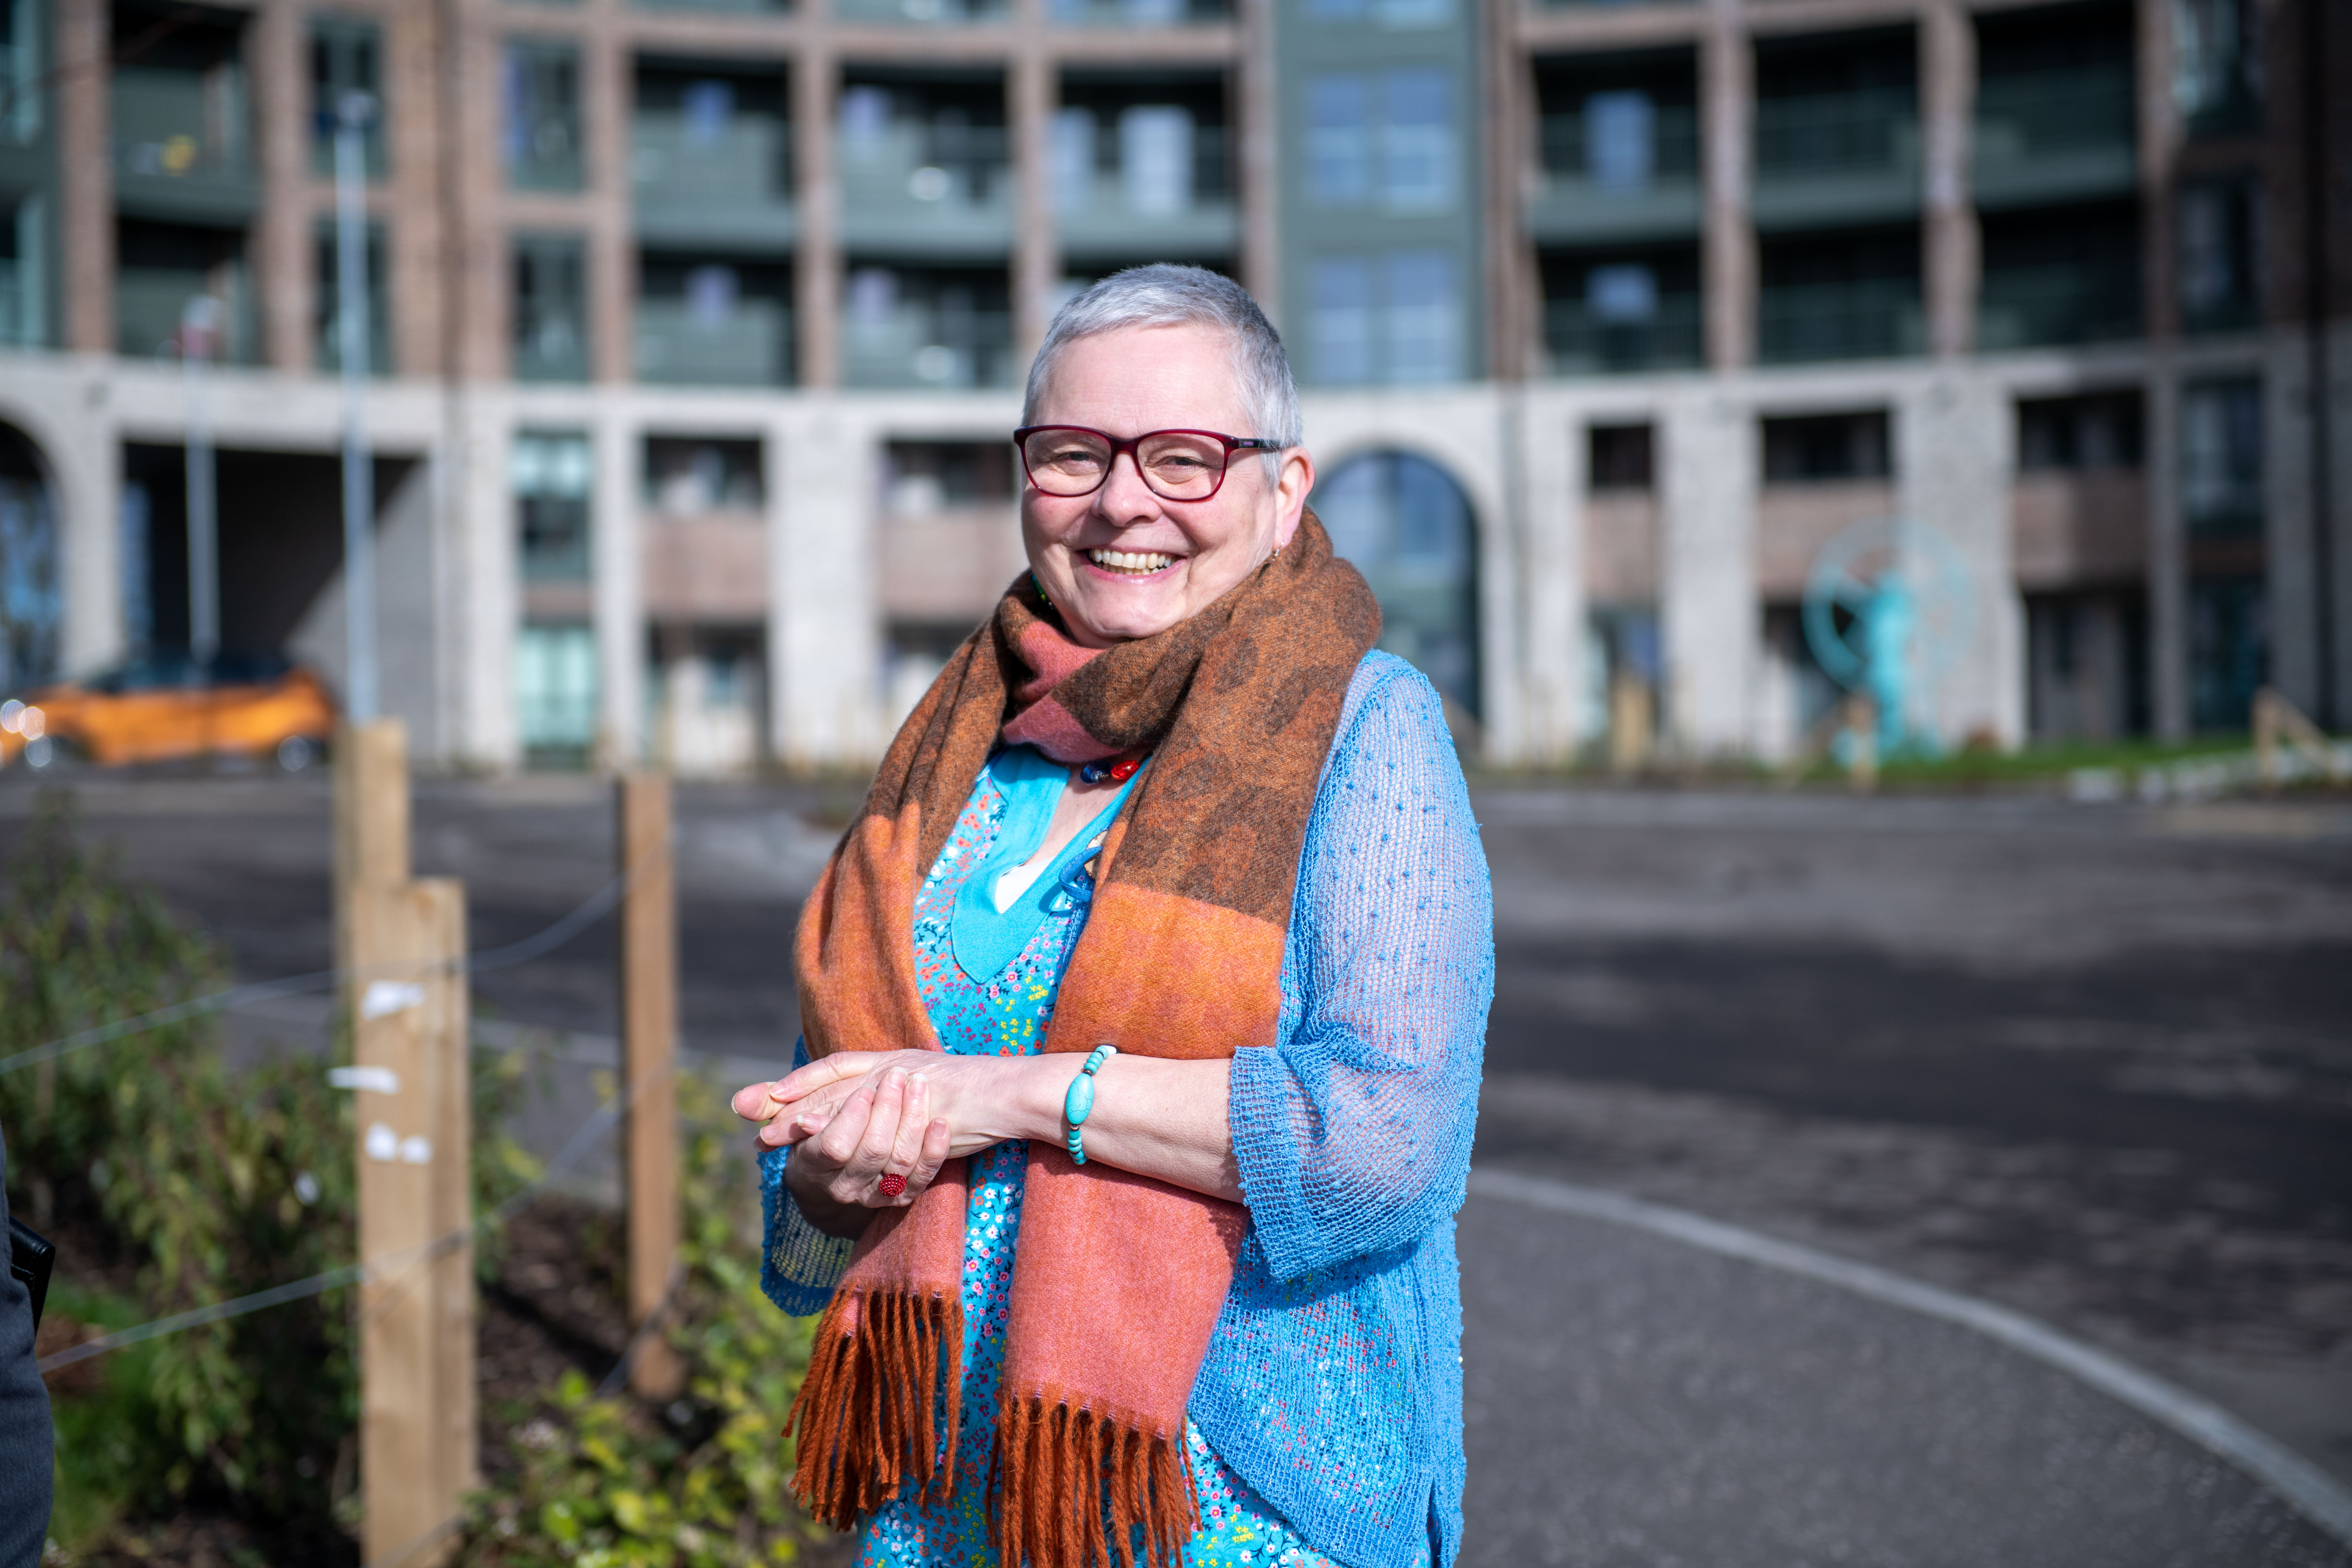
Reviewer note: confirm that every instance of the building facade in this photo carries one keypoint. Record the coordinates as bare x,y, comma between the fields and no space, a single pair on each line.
697,326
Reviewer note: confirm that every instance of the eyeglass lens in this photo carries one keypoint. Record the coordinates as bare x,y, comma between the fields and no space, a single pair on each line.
1076,462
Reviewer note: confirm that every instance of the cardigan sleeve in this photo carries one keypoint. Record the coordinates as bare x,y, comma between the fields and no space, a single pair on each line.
799,1264
1352,1133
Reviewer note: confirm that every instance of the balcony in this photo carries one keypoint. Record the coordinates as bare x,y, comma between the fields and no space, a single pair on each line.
1137,13
2052,136
1582,341
1875,320
159,268
921,13
1836,158
719,8
916,330
1165,190
707,172
939,189
180,149
2055,276
1617,168
708,323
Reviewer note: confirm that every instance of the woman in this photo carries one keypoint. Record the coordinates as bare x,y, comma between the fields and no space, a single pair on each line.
1168,800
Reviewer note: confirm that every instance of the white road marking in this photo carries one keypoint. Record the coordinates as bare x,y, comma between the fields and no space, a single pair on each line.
2326,1502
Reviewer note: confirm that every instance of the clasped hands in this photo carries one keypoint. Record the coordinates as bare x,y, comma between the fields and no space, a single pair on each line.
855,1118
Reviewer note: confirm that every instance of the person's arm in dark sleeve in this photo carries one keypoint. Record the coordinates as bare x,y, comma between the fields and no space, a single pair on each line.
27,1451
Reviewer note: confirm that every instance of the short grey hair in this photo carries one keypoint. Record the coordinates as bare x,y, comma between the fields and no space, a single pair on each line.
1165,295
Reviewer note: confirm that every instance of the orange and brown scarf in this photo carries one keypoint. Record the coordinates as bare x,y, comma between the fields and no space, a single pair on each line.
1118,1278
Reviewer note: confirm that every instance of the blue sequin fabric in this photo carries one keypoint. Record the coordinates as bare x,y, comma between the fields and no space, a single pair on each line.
1326,1420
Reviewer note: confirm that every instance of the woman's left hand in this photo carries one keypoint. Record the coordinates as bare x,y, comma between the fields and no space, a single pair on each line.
983,1099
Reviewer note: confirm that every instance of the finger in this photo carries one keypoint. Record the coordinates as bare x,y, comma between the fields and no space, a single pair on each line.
838,1141
914,1120
803,1081
873,1154
750,1102
929,1157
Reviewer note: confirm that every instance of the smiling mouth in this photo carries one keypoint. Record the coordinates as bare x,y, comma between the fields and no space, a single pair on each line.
1130,563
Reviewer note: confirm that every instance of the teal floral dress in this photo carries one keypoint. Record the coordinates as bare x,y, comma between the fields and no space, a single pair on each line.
988,978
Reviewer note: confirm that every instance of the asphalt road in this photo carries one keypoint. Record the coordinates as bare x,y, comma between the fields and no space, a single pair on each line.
2090,1063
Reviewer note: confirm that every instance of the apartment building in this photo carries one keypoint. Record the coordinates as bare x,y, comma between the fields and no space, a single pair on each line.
697,328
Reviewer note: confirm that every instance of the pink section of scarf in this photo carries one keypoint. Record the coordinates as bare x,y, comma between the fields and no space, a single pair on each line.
1039,720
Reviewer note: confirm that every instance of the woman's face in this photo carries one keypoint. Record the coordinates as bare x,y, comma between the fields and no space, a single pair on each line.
1125,561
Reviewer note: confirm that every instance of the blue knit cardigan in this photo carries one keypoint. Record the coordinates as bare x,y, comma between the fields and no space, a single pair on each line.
1333,1383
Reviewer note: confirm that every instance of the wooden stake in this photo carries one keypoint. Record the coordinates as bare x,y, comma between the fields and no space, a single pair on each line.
1862,723
649,1052
403,941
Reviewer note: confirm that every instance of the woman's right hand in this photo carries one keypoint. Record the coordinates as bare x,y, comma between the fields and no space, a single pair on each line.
838,1162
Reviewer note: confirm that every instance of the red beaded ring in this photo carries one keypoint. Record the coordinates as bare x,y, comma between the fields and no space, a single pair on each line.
892,1184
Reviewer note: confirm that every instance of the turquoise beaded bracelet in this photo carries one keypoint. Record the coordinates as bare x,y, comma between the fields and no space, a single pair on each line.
1080,1099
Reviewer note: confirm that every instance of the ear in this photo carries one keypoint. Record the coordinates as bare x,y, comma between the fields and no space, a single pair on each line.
1290,493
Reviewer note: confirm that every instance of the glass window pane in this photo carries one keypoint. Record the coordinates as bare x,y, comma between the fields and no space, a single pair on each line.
1339,160
1340,321
1424,334
1418,155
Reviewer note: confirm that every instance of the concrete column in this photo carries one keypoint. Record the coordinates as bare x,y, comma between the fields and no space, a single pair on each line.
2167,557
1954,441
2159,146
606,91
1547,449
1515,347
2337,522
423,262
1954,259
1255,118
85,201
2292,584
485,589
616,553
284,275
1711,622
1031,91
477,321
1727,102
825,632
816,270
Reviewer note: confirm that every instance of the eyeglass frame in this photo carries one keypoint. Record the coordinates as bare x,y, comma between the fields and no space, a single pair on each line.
1131,446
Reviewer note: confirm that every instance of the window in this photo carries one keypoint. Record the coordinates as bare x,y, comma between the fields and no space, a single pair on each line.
1338,150
20,70
1424,318
2098,430
2217,256
2221,458
1418,159
1620,140
1397,15
2216,66
23,273
542,133
555,693
550,473
689,476
1814,448
1394,318
1619,458
327,323
1407,526
1155,158
1340,321
345,57
551,324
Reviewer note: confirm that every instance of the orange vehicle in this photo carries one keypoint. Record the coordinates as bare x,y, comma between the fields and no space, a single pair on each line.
165,707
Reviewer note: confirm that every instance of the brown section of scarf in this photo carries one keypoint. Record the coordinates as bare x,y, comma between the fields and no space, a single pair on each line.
1182,956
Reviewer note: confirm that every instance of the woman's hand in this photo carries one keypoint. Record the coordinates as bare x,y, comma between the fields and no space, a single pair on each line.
882,1127
983,1099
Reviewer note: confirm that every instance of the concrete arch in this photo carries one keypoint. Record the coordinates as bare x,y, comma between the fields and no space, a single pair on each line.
32,587
1412,528
65,418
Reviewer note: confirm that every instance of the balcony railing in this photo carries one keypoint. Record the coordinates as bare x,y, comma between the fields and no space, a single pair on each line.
1581,342
749,346
927,189
1673,152
1112,214
2028,307
913,347
922,12
149,304
2053,135
180,143
1864,319
1137,13
735,182
723,7
1835,132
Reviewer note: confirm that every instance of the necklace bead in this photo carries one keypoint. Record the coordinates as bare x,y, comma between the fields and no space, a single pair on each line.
1117,772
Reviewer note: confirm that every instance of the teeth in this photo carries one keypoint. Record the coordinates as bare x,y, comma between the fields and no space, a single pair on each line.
1128,560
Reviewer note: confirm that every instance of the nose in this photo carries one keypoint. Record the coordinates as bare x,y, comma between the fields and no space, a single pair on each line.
1124,496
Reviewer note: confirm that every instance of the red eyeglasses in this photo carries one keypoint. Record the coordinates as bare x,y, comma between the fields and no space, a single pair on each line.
1072,460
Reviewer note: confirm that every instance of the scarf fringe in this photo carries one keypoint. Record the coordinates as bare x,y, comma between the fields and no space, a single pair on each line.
1071,1488
865,1420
